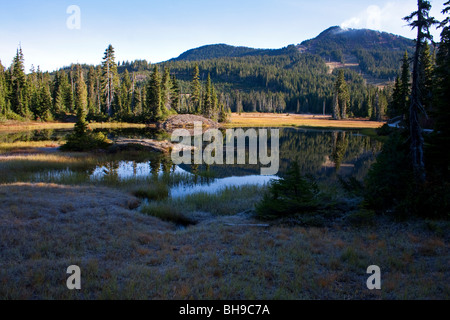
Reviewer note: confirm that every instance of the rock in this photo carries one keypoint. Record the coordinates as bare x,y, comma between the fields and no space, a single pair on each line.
187,121
150,144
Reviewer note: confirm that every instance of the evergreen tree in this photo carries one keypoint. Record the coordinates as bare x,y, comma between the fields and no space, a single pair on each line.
214,104
396,104
109,79
377,107
125,96
207,99
175,94
196,91
81,103
166,92
343,94
43,102
421,20
19,94
70,91
342,97
405,87
66,91
3,92
336,110
426,67
137,101
153,111
91,91
441,113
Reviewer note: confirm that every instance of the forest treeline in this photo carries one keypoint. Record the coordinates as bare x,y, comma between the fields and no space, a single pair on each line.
104,93
215,80
242,80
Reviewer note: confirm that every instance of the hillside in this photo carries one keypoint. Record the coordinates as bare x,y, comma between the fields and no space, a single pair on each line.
297,78
376,54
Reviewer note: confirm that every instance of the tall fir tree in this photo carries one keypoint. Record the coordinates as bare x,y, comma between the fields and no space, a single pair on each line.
196,91
396,104
166,90
91,91
421,21
153,112
207,99
3,92
342,97
81,103
110,79
439,149
405,87
19,94
426,69
175,94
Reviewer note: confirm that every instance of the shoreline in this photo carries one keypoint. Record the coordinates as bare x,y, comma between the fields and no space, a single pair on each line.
243,120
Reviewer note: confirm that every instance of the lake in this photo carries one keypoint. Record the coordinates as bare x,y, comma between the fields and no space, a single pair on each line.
324,154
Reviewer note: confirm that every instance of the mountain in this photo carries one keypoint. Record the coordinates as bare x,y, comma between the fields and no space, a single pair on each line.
299,78
296,78
216,51
373,53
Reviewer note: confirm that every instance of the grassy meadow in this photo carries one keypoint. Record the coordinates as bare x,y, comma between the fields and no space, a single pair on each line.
295,120
133,241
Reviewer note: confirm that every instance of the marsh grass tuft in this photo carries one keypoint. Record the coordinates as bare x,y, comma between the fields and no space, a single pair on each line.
157,191
168,213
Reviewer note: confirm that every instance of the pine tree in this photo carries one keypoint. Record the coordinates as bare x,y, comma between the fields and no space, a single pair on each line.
175,94
196,91
207,99
441,94
426,67
153,111
137,101
19,94
377,107
91,91
336,110
109,79
342,97
166,90
81,103
3,92
70,91
396,104
405,88
422,22
124,98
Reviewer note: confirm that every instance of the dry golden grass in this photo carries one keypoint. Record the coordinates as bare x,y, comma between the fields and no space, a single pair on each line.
28,146
293,120
14,126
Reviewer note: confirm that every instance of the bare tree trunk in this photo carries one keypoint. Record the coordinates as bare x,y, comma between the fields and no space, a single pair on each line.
417,141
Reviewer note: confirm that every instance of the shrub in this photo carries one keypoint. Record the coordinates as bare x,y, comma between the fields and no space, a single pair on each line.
86,142
390,185
389,179
292,194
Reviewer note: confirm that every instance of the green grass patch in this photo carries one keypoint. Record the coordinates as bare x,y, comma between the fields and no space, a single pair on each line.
166,212
158,191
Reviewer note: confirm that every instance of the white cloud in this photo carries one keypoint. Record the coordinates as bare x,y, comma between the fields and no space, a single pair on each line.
373,17
389,17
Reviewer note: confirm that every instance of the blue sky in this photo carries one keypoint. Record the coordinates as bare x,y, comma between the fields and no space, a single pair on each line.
160,30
